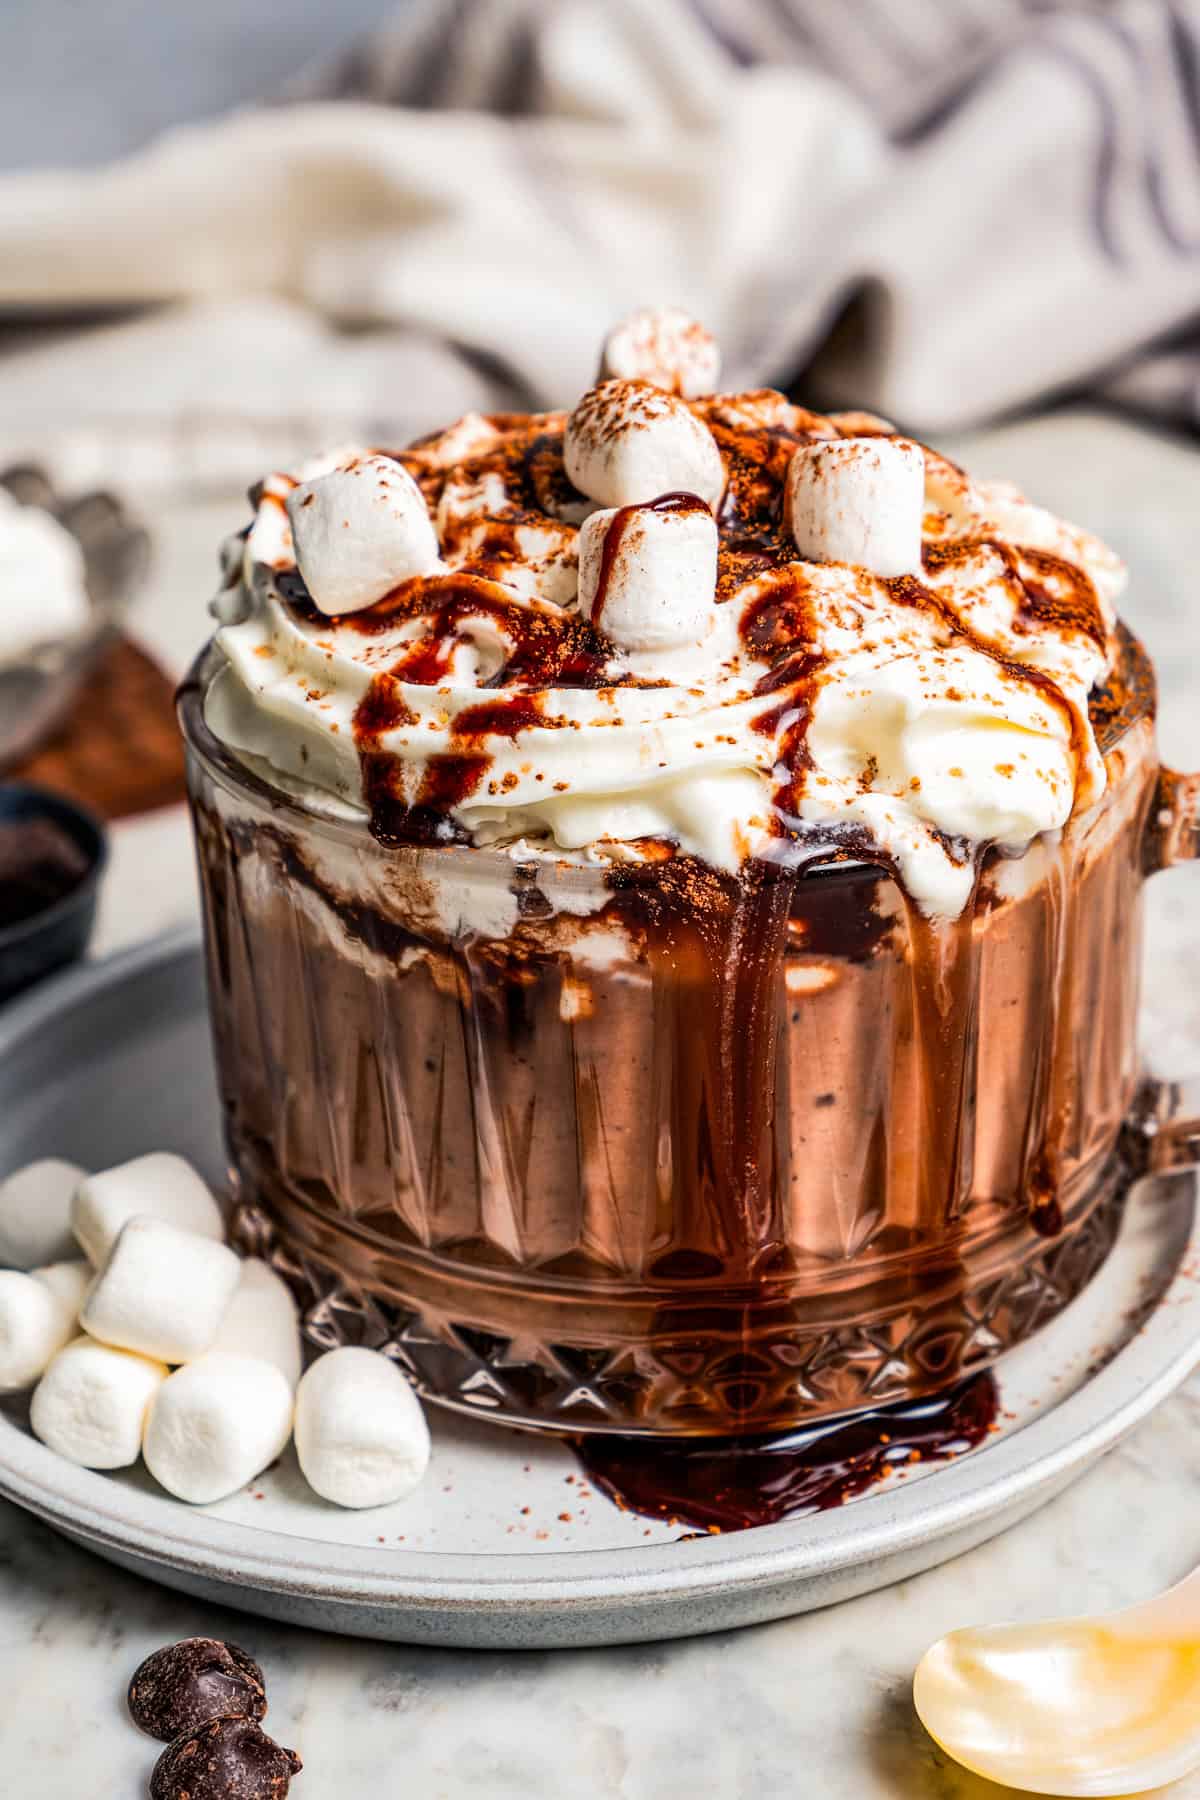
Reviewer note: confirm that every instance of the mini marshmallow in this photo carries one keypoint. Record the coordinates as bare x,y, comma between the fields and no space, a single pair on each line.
162,1292
663,345
627,442
68,1282
216,1424
91,1404
262,1320
858,500
656,588
158,1186
340,456
35,1213
34,1326
361,1436
359,531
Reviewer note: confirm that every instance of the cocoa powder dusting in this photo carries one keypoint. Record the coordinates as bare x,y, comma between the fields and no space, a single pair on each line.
549,648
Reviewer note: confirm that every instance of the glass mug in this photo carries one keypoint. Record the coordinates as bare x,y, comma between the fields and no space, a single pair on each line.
649,1149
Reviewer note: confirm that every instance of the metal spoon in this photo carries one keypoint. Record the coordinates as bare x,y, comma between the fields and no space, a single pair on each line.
1107,1705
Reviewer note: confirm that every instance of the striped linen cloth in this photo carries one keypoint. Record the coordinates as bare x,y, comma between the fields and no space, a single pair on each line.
944,210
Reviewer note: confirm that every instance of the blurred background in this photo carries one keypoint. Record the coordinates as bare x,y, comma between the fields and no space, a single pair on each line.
88,80
229,229
233,233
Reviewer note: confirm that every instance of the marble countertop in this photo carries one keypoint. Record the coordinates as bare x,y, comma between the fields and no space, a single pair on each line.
815,1705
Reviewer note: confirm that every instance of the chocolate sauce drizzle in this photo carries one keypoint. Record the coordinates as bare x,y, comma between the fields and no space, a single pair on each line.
549,648
679,501
733,1484
547,651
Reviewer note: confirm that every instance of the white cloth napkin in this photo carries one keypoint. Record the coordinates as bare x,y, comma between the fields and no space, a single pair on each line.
948,208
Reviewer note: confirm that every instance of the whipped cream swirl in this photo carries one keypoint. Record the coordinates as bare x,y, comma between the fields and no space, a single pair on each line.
43,581
910,718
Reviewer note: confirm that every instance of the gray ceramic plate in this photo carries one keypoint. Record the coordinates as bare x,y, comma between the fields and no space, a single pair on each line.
505,1545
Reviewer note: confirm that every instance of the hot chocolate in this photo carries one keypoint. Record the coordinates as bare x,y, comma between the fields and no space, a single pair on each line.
664,978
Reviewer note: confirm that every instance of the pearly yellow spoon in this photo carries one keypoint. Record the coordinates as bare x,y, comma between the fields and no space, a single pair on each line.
1109,1705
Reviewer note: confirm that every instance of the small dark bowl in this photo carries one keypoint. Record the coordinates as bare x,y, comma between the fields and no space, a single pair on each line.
58,932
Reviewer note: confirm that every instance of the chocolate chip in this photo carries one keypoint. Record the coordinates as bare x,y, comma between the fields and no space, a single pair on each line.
227,1759
186,1684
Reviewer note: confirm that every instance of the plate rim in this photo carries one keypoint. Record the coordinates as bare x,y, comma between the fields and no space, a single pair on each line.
995,1479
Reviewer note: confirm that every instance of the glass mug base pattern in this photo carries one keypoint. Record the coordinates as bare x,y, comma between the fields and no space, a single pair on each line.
645,1148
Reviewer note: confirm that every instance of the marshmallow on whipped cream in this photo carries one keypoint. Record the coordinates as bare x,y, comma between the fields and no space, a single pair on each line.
719,625
359,530
648,574
662,345
628,441
858,500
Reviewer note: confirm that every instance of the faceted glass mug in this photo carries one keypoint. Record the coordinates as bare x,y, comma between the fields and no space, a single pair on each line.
644,1148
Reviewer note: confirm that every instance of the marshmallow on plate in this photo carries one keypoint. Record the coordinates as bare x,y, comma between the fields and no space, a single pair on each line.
359,531
158,1186
262,1320
162,1292
361,1437
664,345
648,574
35,1323
68,1282
35,1213
858,500
216,1424
90,1405
628,441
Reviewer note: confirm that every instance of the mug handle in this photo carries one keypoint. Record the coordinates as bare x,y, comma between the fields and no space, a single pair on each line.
1167,1113
1173,827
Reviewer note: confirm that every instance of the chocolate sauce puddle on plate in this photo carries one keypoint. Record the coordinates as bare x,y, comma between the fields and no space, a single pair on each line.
730,1484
